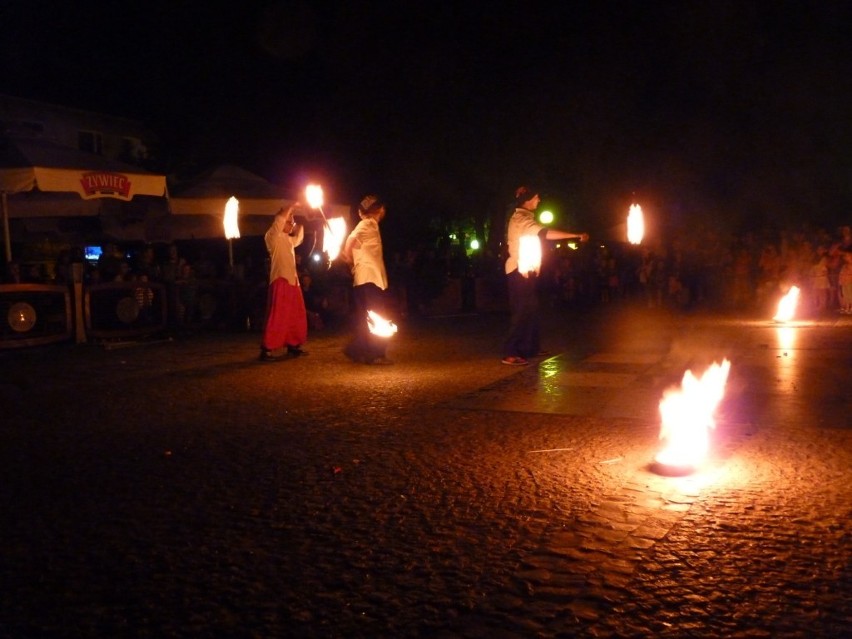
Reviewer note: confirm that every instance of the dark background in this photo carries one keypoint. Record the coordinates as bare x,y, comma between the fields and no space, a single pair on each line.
728,114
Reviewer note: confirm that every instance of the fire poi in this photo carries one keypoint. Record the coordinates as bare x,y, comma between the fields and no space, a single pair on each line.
687,415
335,228
529,255
380,326
334,236
787,305
232,227
635,224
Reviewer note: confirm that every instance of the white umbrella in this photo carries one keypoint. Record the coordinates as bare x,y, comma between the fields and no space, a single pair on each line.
39,166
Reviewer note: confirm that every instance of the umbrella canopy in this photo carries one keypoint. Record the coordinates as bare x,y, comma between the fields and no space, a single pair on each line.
208,193
205,197
28,164
51,180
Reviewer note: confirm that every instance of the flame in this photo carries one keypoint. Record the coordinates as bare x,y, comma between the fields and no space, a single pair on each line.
313,194
687,416
529,255
332,239
635,224
379,325
232,229
787,305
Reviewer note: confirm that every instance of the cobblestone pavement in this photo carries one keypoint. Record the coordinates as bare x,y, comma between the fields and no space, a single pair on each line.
180,488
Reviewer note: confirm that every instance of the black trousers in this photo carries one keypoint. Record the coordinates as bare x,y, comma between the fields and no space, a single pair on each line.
364,345
524,339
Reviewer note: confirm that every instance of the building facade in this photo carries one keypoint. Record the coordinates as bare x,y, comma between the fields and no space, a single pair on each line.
114,137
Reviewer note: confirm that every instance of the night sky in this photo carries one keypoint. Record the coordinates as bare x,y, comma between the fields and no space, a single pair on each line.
726,113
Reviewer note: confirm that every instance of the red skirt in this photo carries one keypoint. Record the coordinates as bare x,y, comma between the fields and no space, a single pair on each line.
286,319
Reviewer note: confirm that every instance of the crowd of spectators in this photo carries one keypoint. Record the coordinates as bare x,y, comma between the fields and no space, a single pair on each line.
744,272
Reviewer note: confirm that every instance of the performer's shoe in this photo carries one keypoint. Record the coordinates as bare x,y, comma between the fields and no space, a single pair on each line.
267,356
513,360
295,351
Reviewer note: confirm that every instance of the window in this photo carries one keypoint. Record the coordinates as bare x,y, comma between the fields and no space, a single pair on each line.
90,141
132,150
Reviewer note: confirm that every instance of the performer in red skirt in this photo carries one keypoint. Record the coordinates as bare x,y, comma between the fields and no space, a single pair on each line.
286,320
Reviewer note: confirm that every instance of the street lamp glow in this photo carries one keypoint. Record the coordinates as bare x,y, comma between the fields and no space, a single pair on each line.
474,244
545,217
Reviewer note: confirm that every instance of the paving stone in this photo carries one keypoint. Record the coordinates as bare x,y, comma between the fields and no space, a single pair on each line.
212,496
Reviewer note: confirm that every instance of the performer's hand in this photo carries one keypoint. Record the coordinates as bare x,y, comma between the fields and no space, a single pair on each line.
584,237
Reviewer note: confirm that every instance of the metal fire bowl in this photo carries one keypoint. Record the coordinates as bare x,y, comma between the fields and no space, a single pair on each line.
668,470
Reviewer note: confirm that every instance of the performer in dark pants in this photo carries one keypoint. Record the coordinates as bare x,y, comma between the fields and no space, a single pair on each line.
523,340
363,252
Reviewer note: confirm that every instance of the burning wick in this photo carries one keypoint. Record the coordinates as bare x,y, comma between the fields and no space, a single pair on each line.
635,224
687,417
529,255
232,228
333,238
787,305
335,229
379,326
313,194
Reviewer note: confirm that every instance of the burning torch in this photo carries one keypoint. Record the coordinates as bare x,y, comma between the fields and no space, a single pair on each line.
635,224
529,255
380,326
232,228
335,228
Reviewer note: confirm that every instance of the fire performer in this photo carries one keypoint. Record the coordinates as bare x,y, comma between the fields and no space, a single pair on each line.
286,318
363,252
522,231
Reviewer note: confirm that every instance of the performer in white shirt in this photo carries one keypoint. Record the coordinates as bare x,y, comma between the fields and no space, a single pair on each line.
286,320
363,252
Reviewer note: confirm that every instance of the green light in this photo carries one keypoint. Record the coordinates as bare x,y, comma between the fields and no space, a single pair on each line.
474,244
545,217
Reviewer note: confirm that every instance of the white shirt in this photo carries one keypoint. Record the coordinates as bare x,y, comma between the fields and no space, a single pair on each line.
368,264
521,223
282,250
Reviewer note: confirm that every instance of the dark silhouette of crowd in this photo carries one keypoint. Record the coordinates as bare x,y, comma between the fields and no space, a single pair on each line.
747,272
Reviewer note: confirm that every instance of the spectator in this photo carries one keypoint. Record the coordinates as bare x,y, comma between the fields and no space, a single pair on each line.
187,295
820,285
845,281
170,268
13,273
146,264
109,262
